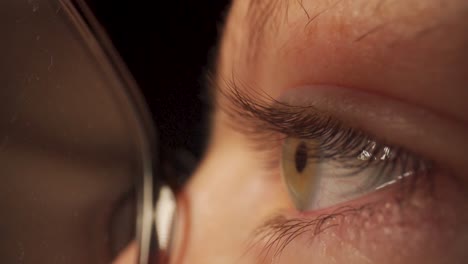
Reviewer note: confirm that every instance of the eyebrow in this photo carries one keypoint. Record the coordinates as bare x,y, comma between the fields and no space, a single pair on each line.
261,12
261,15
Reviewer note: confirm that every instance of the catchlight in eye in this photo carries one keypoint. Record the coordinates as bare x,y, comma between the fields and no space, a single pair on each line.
324,174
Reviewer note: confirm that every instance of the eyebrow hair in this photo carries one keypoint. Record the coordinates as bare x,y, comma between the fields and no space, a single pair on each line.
260,12
261,15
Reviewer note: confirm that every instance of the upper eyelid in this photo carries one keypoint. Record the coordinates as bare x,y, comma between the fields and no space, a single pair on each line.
338,142
393,121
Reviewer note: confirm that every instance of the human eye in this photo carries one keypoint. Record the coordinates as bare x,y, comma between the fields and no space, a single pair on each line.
322,161
342,165
333,165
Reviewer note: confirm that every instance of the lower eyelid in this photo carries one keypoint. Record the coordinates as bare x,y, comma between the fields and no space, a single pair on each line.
279,233
374,216
383,211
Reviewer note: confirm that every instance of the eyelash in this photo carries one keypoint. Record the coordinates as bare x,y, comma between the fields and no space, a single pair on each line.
267,122
280,231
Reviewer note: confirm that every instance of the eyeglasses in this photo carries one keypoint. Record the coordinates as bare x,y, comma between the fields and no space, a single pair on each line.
79,160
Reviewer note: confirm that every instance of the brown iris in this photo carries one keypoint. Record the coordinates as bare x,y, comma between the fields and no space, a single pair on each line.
299,171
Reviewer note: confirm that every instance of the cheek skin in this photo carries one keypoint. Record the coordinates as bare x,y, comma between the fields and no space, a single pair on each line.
423,228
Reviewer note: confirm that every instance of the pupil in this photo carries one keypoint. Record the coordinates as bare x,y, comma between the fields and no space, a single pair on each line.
301,157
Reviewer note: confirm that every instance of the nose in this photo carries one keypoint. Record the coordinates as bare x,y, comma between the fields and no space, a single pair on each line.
209,227
220,208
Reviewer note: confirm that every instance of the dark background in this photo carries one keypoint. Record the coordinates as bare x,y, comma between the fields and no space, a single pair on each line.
168,48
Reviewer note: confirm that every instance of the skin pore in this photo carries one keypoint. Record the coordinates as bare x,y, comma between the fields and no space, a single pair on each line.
395,69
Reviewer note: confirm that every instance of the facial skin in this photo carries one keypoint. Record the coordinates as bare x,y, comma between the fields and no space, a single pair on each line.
402,71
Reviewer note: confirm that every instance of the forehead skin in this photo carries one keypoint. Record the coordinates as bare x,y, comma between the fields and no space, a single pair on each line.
411,50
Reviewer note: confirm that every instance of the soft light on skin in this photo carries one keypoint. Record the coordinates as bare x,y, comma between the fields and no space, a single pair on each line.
405,59
394,64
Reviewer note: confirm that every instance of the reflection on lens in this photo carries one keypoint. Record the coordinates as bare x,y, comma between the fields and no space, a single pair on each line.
75,140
